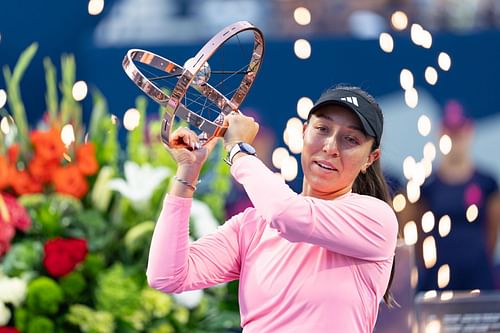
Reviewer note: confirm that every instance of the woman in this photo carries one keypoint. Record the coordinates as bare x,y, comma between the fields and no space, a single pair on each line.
319,261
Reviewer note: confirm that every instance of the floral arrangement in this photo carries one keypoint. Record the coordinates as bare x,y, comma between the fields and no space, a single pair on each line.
77,213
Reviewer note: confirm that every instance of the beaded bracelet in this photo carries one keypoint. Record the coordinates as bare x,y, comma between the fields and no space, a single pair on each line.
185,182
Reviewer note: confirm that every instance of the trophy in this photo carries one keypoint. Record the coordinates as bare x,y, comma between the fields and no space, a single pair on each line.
195,92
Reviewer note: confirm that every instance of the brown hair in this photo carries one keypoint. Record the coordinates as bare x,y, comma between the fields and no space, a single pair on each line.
373,183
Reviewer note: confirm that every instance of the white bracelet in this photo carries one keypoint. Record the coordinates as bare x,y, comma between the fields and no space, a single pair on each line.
185,182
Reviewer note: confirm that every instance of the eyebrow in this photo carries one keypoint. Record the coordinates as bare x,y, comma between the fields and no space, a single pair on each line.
351,126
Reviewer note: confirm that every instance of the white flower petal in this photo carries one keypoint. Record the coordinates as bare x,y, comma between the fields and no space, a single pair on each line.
4,314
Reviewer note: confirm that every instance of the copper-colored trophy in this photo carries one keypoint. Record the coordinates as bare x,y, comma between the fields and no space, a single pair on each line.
185,91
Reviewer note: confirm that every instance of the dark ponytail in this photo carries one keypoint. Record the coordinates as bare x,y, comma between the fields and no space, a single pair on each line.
373,183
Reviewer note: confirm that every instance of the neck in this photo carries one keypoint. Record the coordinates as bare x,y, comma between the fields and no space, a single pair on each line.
310,192
455,169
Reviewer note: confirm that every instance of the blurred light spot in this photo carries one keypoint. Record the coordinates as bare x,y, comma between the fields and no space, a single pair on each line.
475,291
131,119
279,155
417,34
80,90
443,276
304,105
406,79
419,174
302,49
427,164
67,157
295,143
445,144
410,233
302,15
433,326
430,294
67,134
399,202
86,138
424,125
426,39
409,167
411,97
95,7
428,221
414,277
114,119
289,168
3,98
412,191
429,252
446,295
295,124
399,20
431,75
386,42
4,125
472,213
429,151
444,61
444,226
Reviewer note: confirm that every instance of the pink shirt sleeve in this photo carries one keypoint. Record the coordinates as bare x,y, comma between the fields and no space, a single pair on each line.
175,265
354,225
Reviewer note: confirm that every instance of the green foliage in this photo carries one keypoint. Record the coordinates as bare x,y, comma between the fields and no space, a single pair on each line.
39,324
73,286
24,256
89,320
44,296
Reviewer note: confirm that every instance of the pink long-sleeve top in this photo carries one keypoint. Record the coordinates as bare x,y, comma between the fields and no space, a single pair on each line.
304,264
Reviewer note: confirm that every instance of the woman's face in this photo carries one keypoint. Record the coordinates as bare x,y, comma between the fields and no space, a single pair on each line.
335,151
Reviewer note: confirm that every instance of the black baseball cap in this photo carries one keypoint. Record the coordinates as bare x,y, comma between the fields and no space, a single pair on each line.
369,114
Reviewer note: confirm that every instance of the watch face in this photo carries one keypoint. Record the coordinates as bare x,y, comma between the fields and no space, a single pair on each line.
247,148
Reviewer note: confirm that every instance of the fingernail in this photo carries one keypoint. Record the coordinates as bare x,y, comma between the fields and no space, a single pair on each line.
198,145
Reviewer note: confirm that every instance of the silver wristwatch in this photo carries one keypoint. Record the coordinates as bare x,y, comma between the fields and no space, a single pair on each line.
239,147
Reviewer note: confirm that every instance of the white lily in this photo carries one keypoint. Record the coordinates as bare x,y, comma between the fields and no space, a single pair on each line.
139,183
12,290
5,314
204,221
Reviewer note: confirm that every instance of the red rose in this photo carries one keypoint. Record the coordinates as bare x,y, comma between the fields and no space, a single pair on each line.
7,232
62,255
7,329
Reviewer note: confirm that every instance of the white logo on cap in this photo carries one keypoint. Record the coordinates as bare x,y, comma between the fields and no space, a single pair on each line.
351,99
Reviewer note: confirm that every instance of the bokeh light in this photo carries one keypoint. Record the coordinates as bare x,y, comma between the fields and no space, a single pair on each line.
429,151
431,75
131,119
410,233
426,39
399,202
424,125
406,79
409,167
428,221
444,226
444,61
3,98
472,213
443,276
302,49
279,155
412,191
95,7
433,326
446,295
386,42
289,168
80,90
429,252
67,134
304,105
302,15
411,97
417,34
399,20
5,125
445,144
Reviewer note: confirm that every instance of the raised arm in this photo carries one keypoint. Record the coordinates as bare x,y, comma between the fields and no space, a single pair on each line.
353,225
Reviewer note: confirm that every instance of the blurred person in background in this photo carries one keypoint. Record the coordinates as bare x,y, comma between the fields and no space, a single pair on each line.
469,197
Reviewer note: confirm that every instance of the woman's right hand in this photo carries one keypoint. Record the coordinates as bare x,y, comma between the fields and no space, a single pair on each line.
187,151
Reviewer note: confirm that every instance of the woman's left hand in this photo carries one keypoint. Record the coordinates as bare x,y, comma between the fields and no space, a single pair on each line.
240,129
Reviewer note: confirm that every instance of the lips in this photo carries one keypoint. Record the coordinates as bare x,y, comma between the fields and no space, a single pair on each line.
325,165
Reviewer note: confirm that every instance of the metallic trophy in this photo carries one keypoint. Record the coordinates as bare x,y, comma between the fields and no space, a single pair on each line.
147,70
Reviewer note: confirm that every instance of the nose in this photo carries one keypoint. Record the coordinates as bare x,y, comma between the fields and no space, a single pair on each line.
331,146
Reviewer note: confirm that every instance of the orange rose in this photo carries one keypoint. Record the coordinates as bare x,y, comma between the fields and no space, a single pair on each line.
85,159
48,145
41,169
24,183
69,180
